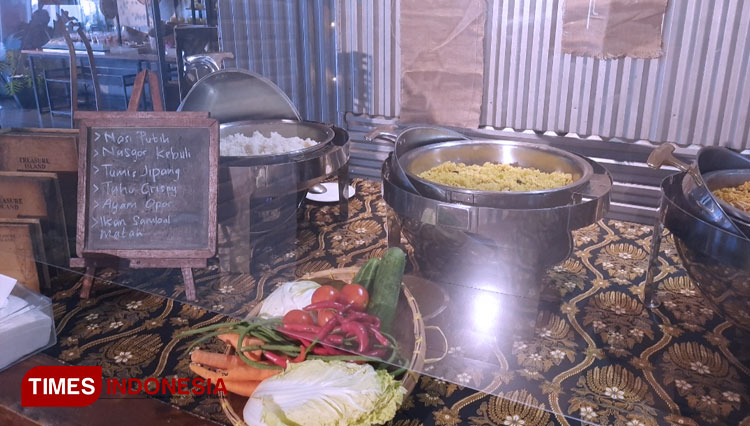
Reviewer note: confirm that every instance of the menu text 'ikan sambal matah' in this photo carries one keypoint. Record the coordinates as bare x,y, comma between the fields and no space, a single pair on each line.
149,185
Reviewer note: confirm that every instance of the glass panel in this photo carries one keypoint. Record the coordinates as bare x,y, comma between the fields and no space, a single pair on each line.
537,299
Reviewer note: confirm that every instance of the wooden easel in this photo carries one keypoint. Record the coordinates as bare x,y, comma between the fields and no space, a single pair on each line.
185,265
94,261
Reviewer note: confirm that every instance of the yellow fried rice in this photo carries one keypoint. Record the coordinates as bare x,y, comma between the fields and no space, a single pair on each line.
495,177
736,196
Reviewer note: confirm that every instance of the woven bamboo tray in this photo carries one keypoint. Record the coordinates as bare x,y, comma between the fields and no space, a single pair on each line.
407,313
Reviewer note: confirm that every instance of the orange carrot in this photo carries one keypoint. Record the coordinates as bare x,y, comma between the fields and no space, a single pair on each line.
206,373
232,338
240,373
214,360
246,372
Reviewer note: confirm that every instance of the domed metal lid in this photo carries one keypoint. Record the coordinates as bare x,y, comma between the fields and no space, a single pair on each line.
237,95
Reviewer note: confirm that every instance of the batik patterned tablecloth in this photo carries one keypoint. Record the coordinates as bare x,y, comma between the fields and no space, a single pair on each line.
597,355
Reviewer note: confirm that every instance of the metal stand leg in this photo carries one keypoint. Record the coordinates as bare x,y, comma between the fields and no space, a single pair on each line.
343,177
653,262
234,248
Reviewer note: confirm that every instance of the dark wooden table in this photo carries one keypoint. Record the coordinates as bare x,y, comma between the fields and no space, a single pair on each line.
126,411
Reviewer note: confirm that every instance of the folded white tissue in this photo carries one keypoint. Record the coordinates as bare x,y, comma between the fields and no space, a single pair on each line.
26,325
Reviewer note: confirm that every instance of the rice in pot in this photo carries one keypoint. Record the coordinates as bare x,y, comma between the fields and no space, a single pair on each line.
495,177
241,145
736,196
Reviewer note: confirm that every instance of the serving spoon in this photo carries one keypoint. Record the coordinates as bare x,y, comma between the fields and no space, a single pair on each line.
318,189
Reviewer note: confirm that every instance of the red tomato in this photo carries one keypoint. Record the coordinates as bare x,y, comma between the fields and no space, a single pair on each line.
325,315
297,316
356,294
325,293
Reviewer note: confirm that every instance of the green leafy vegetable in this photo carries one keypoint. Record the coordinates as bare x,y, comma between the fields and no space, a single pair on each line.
325,393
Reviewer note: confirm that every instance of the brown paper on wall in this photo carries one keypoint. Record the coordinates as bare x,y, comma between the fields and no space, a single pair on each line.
442,61
613,28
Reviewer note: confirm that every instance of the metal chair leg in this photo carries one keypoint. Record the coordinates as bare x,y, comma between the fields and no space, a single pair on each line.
49,98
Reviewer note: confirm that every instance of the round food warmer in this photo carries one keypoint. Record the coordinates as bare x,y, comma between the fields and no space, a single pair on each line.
477,241
716,258
259,195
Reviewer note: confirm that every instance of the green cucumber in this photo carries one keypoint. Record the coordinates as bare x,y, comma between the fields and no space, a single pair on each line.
366,274
387,287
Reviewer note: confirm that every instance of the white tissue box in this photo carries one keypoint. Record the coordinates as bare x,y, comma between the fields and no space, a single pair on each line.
27,326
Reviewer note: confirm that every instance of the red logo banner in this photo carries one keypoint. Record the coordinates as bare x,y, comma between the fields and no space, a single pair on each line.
61,386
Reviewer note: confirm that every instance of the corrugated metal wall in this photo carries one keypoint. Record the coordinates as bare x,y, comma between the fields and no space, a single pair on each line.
698,93
329,56
369,34
291,42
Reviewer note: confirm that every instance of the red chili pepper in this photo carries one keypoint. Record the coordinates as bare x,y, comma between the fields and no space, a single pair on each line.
326,350
304,328
302,354
320,350
360,334
379,336
364,317
297,334
326,329
334,351
325,305
280,360
307,338
334,339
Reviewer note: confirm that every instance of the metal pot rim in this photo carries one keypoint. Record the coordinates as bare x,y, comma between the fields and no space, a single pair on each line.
586,170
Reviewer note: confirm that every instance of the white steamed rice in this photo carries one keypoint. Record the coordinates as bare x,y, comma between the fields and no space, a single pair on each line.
240,145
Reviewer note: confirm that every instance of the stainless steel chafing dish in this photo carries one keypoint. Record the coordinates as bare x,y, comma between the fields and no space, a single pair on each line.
260,194
499,247
716,259
544,158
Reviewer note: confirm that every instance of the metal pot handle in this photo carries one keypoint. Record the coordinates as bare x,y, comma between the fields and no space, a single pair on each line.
663,154
387,133
595,199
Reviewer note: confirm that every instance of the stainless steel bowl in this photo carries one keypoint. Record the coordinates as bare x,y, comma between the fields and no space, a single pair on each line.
544,158
319,132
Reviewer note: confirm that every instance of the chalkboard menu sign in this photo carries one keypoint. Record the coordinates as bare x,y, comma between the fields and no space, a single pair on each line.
148,182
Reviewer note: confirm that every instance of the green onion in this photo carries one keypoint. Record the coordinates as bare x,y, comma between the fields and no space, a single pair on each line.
247,360
341,357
